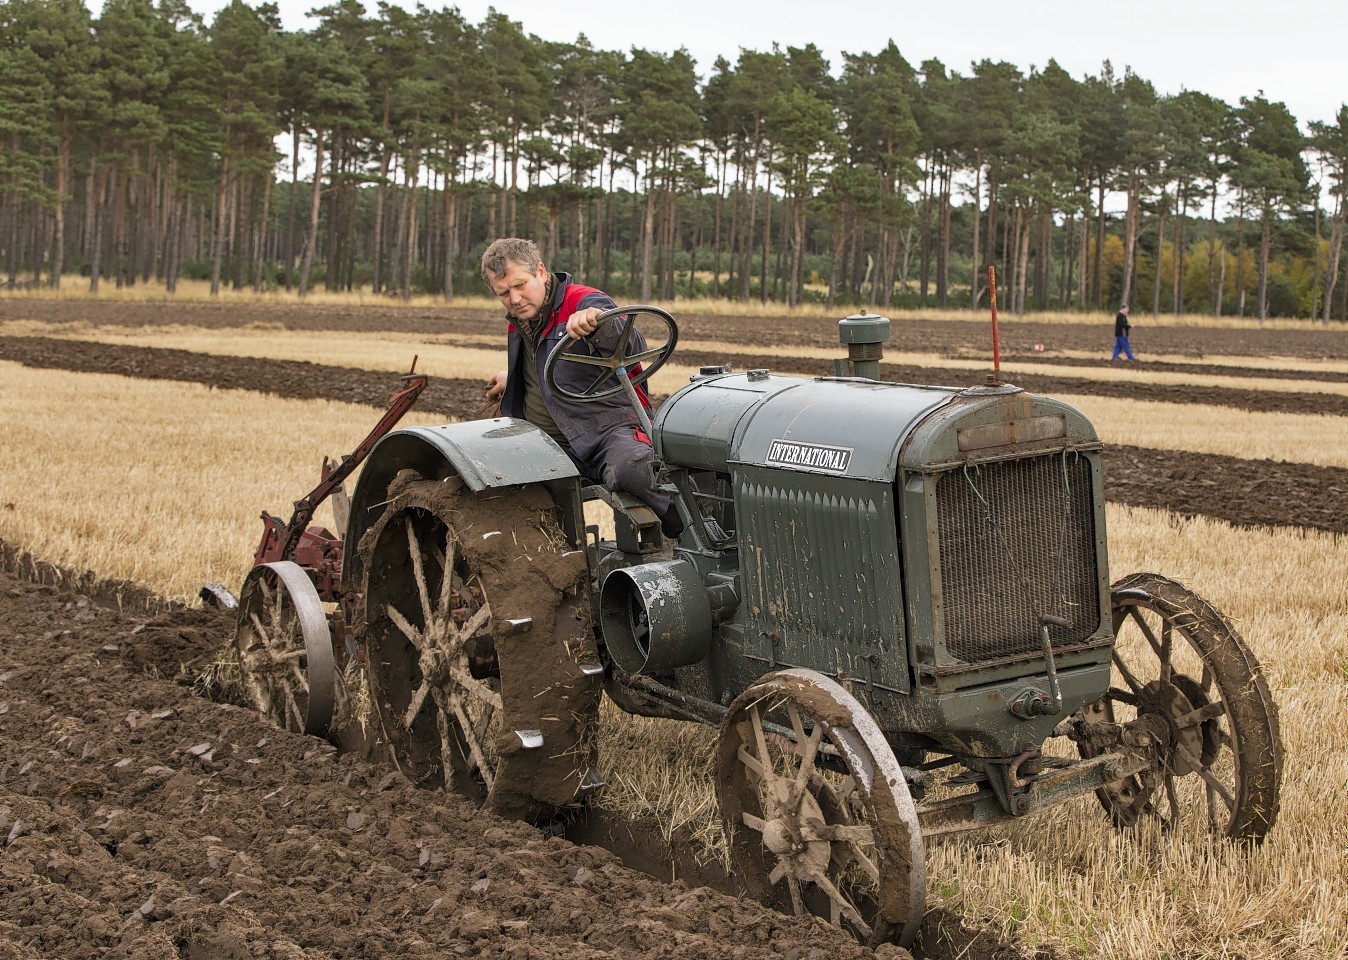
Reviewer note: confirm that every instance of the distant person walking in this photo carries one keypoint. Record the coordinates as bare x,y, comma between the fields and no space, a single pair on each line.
1121,328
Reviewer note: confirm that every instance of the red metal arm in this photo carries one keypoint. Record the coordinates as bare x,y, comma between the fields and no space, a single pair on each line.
279,540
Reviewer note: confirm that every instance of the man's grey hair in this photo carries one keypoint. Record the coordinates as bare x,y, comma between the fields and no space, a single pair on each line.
509,250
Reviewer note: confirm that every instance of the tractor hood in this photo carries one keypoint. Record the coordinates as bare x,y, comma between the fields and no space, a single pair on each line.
854,428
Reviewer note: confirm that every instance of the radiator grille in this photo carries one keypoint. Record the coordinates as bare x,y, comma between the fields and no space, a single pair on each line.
1017,542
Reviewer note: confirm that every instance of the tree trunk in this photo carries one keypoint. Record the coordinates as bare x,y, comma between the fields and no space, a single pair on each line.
173,235
401,251
695,245
451,226
94,227
1265,243
924,233
975,268
1335,248
716,227
1083,258
1068,252
887,270
780,268
767,236
218,234
648,235
1178,251
117,201
315,197
796,288
290,206
1130,238
260,257
1097,276
1221,284
1214,291
1024,223
746,232
410,246
1240,254
1160,254
991,257
943,252
380,197
233,236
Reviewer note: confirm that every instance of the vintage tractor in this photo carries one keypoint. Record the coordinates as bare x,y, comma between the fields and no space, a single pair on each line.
893,600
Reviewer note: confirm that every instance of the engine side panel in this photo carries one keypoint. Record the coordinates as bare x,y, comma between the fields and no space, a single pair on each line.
822,589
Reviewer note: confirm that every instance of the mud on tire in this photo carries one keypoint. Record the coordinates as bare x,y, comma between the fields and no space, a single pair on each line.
475,622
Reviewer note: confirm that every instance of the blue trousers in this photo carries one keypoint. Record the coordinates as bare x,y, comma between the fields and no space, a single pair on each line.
1121,346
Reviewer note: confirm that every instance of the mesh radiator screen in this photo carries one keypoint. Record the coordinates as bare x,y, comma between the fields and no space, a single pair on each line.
1016,540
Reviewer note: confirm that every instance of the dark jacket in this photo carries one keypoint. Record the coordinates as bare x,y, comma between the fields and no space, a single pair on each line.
1121,324
583,424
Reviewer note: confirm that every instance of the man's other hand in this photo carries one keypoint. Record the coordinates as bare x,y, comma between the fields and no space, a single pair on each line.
582,322
496,385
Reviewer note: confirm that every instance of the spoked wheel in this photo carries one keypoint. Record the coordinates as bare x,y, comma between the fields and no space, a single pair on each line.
285,648
481,663
1182,669
817,810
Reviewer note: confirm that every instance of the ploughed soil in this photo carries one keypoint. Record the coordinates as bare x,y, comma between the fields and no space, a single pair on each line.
141,818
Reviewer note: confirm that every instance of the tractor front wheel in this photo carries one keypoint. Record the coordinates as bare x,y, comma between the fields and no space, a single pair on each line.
817,810
1179,666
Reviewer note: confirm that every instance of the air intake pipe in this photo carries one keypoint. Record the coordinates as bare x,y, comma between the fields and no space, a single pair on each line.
656,616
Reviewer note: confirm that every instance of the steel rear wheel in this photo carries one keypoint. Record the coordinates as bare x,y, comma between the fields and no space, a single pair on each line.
1178,661
817,810
285,649
476,634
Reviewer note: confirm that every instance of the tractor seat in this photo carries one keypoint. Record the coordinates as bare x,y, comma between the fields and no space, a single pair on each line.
636,527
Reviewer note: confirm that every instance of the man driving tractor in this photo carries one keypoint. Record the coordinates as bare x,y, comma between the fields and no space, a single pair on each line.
602,437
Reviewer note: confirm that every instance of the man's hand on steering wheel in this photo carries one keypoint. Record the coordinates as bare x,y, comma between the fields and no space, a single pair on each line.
582,323
625,351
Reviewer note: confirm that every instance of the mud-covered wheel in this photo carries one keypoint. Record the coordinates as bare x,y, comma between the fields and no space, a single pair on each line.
818,813
1179,664
476,631
285,648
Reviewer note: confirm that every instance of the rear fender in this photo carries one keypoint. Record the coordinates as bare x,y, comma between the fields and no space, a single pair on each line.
485,454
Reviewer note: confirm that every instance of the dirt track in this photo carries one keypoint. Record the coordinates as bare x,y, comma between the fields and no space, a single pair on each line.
139,819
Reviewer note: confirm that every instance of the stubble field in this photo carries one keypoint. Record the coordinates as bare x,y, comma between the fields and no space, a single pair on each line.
140,818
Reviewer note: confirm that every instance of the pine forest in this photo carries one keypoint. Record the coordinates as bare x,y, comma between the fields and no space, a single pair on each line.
383,150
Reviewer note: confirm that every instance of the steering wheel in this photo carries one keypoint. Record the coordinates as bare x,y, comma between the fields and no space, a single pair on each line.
606,368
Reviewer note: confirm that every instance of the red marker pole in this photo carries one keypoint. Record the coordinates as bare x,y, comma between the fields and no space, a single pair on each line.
996,348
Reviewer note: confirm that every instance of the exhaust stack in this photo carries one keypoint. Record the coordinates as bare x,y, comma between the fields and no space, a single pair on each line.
864,335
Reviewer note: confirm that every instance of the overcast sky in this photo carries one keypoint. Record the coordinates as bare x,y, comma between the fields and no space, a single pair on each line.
1291,50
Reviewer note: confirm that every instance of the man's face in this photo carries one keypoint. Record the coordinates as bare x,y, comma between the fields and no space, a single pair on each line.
520,291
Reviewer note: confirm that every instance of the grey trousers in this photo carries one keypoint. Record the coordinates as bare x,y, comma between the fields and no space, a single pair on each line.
622,461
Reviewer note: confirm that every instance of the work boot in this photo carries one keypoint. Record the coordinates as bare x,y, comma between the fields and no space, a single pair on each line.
671,524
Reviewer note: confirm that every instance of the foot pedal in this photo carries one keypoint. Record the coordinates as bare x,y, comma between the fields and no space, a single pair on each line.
530,739
592,669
